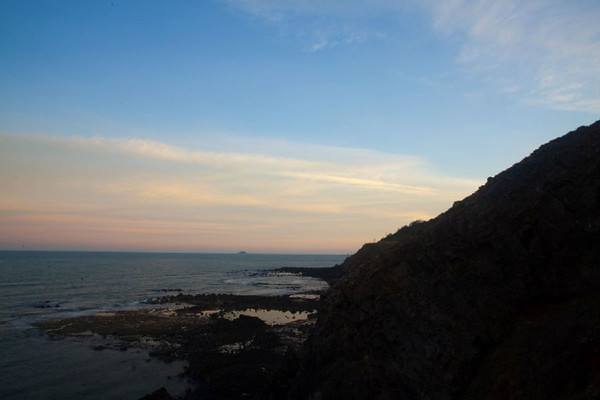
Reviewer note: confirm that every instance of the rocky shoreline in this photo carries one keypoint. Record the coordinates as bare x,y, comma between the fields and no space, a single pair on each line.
236,346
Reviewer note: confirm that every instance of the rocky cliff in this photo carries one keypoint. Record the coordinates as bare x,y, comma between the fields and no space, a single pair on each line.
497,298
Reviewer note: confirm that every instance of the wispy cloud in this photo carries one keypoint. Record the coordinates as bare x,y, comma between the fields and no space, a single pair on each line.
278,10
343,197
545,52
541,52
351,167
321,25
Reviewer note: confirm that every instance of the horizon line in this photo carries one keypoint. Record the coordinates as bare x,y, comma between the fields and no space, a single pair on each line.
240,252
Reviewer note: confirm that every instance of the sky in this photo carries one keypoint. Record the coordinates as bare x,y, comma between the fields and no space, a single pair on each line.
279,126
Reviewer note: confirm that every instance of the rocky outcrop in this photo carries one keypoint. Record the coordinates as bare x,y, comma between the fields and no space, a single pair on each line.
497,298
160,394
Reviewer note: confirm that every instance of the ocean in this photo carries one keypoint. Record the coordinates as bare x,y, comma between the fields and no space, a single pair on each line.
48,285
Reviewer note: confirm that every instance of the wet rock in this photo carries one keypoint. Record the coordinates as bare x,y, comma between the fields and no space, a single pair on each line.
229,302
47,304
160,394
231,352
328,274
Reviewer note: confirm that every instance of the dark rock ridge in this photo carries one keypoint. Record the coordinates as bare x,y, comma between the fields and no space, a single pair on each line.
497,298
328,274
229,302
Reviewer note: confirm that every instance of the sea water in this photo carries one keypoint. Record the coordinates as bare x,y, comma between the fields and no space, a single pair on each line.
47,285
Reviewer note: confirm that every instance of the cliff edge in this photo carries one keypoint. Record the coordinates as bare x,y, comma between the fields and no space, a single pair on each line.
497,298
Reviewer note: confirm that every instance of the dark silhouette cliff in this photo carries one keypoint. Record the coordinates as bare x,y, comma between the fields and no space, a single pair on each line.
497,298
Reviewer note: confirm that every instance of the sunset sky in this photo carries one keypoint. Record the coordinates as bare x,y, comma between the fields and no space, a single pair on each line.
273,126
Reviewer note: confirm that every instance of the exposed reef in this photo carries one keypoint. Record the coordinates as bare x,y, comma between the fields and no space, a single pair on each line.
235,346
329,275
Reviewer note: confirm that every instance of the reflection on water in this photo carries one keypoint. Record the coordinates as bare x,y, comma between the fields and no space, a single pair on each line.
270,317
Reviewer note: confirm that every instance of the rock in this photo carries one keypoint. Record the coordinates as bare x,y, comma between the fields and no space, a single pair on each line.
497,298
231,354
160,394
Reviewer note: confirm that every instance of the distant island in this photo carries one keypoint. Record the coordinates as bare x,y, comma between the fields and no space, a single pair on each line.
242,252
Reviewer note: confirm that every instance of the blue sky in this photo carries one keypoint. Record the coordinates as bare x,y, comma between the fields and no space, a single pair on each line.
465,87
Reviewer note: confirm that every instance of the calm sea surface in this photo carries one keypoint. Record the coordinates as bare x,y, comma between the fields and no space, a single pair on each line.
42,285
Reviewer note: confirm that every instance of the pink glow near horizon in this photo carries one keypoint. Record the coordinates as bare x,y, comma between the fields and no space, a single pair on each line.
124,194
